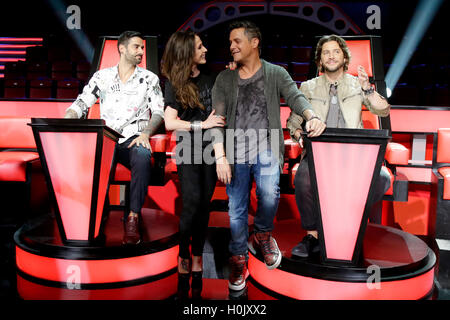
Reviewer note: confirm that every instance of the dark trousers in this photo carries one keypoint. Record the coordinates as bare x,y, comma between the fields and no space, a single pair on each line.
197,188
138,160
305,199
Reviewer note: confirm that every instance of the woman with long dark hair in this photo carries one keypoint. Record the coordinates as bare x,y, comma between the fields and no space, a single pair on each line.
189,113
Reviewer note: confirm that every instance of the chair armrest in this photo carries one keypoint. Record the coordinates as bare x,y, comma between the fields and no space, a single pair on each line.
396,153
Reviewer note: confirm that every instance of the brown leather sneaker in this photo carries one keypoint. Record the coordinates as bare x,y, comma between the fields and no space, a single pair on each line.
238,272
266,244
131,235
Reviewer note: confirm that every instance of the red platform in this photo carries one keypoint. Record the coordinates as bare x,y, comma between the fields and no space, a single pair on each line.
404,263
43,259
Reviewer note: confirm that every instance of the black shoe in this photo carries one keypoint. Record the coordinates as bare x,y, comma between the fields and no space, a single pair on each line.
308,245
183,286
238,295
131,235
197,285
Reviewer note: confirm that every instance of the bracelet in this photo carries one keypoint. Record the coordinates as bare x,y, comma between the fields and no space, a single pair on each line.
368,91
222,156
196,125
313,117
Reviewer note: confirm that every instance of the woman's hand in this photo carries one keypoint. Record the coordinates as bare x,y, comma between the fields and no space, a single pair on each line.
213,121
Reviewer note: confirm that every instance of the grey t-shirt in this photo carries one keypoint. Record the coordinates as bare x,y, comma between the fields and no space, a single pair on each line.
251,119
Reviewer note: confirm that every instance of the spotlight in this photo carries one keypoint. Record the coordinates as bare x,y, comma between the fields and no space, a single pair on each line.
422,18
388,92
80,38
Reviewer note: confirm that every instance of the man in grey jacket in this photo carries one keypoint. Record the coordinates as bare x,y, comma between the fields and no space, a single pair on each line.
249,99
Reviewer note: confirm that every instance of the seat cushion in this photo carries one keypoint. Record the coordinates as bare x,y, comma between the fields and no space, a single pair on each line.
122,173
13,164
445,172
160,142
291,149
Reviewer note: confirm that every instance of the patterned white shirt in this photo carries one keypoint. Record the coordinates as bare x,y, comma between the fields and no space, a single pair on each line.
125,107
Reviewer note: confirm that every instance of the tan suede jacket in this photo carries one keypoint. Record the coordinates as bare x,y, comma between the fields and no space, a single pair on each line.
350,96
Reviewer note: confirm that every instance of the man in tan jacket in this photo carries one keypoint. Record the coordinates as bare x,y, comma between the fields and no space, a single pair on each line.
337,98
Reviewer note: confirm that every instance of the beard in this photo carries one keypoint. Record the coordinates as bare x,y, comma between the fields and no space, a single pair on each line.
333,69
134,60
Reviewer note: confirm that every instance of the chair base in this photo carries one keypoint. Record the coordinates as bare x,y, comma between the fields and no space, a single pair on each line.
395,265
43,259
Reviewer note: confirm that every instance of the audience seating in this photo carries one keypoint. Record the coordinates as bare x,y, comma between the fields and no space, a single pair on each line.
61,70
57,53
15,88
15,70
83,70
41,89
36,70
301,54
67,89
36,54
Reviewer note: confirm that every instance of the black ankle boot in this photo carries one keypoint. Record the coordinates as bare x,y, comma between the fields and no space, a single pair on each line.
197,284
183,286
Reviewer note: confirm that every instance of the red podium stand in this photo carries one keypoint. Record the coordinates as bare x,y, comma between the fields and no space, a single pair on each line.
357,260
77,157
344,165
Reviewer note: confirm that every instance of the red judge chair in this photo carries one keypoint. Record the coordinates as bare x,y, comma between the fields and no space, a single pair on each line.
405,263
440,204
367,51
104,262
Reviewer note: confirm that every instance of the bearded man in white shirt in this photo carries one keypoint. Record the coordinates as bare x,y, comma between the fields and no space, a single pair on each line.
131,102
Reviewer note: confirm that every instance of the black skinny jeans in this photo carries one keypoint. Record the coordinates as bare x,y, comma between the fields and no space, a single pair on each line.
305,198
138,160
197,188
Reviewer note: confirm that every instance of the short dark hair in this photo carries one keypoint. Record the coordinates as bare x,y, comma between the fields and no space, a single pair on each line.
126,36
251,30
342,44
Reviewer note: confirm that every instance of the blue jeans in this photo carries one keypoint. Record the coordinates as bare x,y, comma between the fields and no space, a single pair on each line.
266,172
